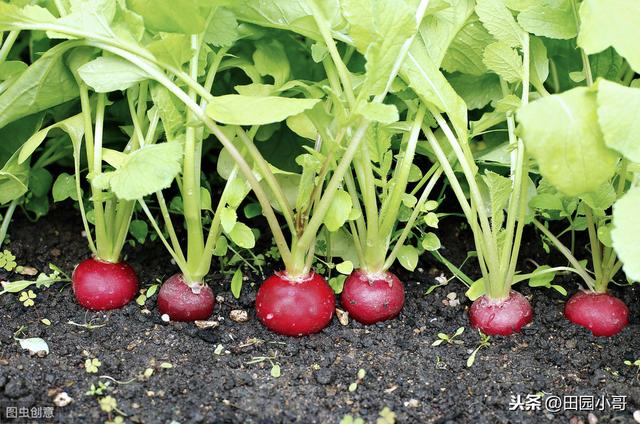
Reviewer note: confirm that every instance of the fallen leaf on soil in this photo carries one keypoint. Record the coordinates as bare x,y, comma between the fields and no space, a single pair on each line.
343,316
206,324
35,346
28,270
239,315
391,389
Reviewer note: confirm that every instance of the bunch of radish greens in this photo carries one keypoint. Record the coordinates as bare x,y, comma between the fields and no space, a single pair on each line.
339,119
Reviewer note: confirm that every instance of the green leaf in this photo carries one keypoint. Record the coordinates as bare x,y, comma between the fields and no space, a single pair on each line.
14,178
626,232
73,126
242,236
477,91
408,257
562,133
15,134
205,200
173,120
236,109
464,54
542,279
504,61
424,77
122,74
228,219
236,283
45,84
499,191
337,283
13,17
270,59
539,62
345,267
602,198
379,112
549,18
618,111
139,230
500,22
275,371
291,15
40,181
147,170
431,242
221,246
223,28
379,29
476,290
613,23
339,212
447,30
546,201
235,192
431,219
181,16
64,188
604,235
172,49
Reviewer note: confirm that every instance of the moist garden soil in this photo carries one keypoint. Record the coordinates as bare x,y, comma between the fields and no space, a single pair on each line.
212,381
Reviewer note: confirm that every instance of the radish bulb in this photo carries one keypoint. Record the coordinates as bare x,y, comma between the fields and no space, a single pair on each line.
603,314
183,302
100,285
371,298
501,317
295,306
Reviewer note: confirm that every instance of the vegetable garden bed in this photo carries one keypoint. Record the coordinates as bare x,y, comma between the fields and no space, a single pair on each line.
212,378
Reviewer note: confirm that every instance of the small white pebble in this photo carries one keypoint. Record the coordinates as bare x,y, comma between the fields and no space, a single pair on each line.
62,399
165,318
636,416
412,403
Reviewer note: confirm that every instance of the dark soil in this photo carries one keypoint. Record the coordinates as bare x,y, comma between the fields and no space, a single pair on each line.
212,380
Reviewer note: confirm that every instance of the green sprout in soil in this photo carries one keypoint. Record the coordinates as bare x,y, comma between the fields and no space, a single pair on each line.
275,366
99,389
27,298
7,260
91,365
88,325
450,339
359,378
484,342
109,405
635,364
44,280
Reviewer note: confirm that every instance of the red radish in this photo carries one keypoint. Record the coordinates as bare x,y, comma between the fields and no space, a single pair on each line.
295,306
183,302
101,285
501,317
603,314
370,298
